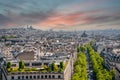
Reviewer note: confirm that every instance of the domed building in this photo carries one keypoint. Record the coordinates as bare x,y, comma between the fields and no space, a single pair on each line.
84,34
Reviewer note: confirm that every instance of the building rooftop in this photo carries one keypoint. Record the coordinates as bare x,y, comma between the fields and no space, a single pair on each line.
116,51
26,55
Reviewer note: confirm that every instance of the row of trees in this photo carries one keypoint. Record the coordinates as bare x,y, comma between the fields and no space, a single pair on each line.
98,65
21,65
80,72
53,67
8,36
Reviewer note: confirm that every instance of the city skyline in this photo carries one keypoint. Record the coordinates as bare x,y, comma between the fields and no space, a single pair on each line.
61,14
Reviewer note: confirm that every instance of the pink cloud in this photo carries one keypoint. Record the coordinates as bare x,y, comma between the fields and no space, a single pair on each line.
63,19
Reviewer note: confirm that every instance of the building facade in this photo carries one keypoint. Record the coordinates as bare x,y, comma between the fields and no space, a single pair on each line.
36,75
112,61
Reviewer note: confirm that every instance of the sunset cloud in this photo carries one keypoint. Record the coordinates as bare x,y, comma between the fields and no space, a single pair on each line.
60,14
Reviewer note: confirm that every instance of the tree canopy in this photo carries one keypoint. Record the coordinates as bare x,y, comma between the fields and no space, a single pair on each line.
9,64
21,65
80,65
98,65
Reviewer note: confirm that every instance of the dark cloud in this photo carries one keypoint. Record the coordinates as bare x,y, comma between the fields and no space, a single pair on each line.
35,16
102,19
25,12
10,6
24,18
82,12
3,19
46,17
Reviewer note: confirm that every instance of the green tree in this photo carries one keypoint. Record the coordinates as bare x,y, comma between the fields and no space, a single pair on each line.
77,69
21,65
97,62
9,64
75,76
62,65
78,49
54,67
80,72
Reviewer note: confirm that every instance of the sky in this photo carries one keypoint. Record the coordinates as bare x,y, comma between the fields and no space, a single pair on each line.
60,14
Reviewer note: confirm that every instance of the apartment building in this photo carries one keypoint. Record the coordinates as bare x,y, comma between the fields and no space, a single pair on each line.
39,73
112,60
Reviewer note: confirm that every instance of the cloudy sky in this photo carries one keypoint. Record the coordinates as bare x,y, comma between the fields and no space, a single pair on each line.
61,14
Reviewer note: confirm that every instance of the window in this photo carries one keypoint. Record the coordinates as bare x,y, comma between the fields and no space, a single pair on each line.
12,77
46,64
22,77
14,65
59,76
18,77
38,76
34,77
30,77
42,77
27,64
53,76
49,76
36,64
26,77
45,76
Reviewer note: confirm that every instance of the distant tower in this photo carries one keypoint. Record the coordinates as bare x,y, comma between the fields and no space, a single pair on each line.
31,27
84,34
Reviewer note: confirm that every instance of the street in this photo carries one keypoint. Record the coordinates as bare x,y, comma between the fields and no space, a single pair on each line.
89,68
